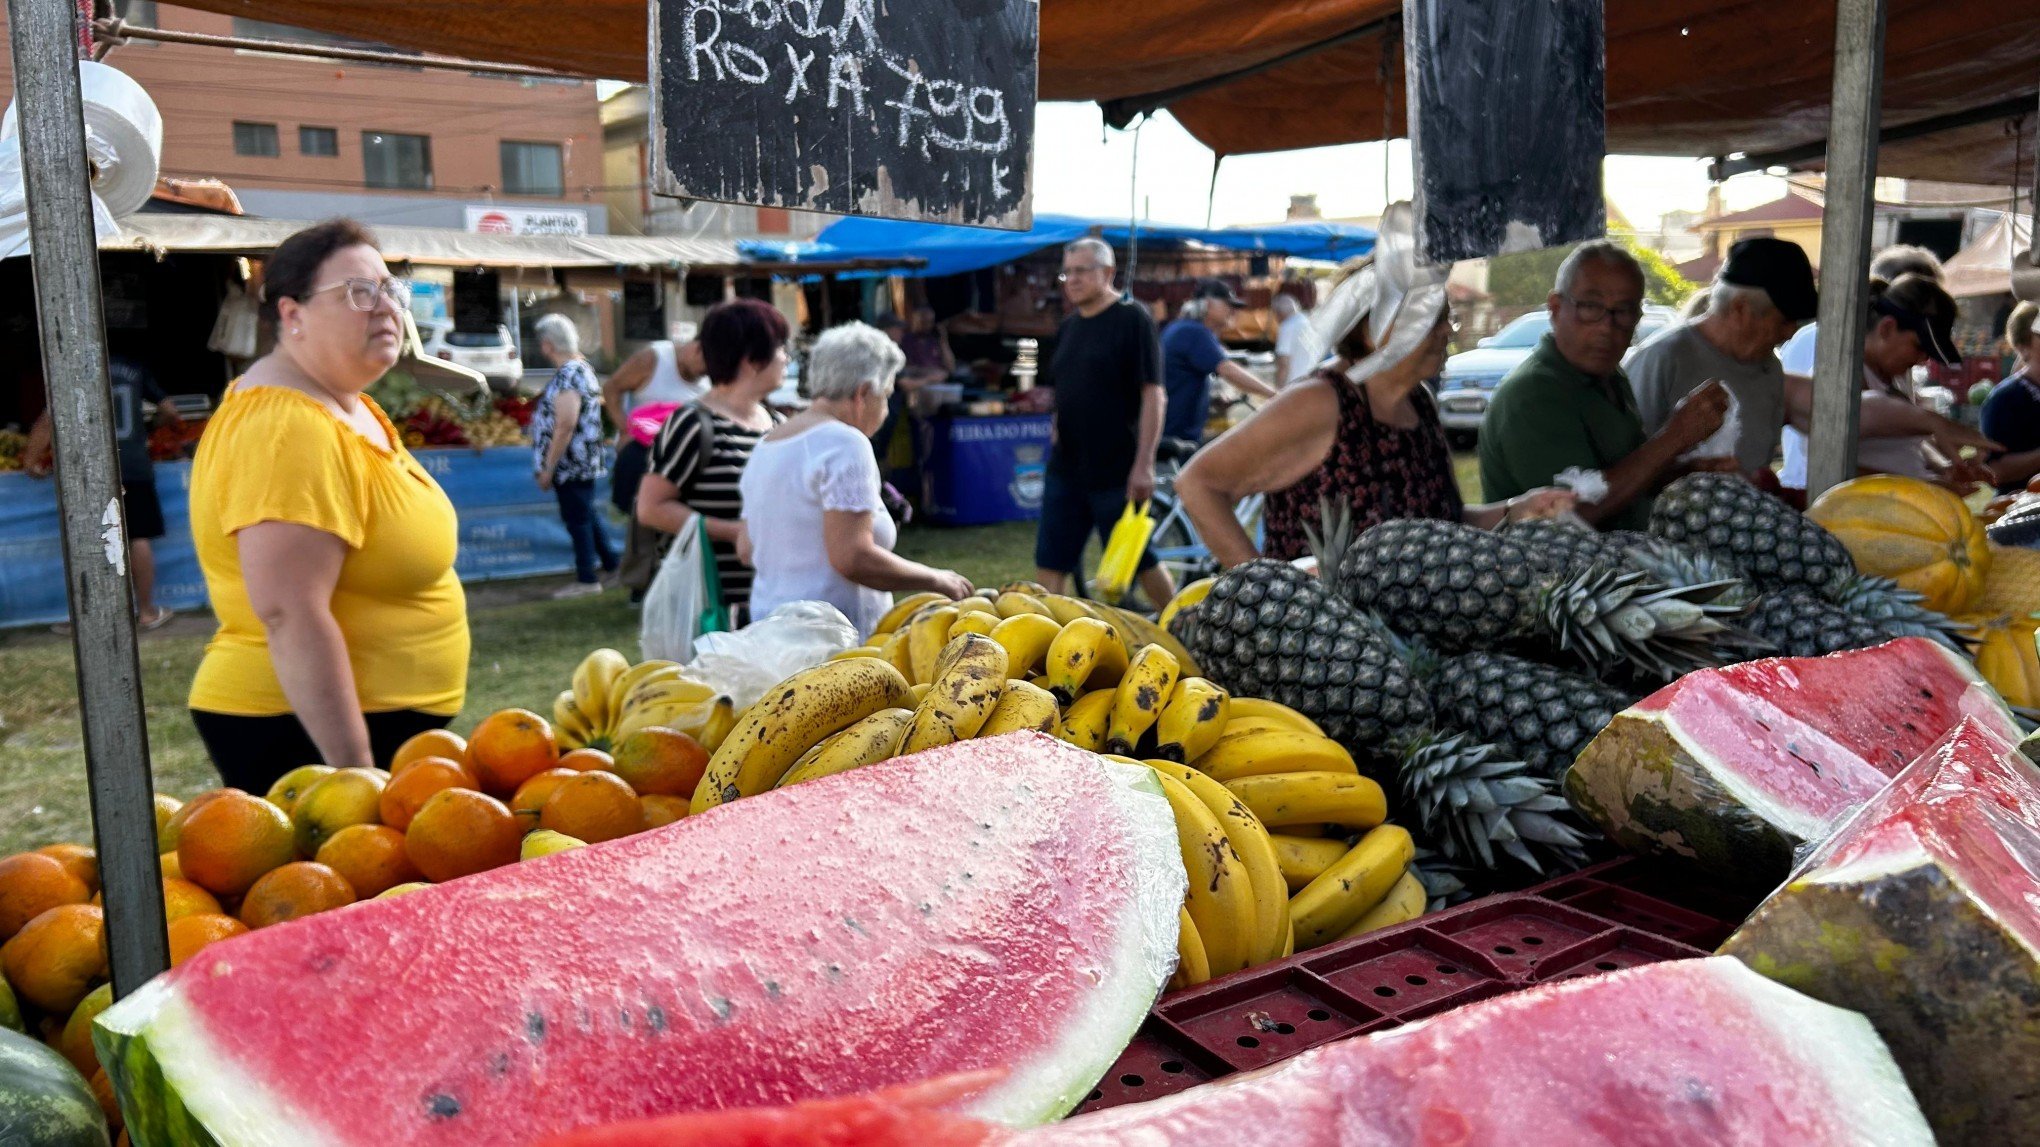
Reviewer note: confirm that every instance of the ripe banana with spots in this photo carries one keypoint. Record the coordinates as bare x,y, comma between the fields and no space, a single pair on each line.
1304,858
1026,637
1078,655
1083,722
1282,799
594,677
1191,966
1344,892
1138,630
1012,603
1405,902
722,718
1022,706
1150,679
1249,840
1273,711
876,738
972,674
1193,720
1221,897
798,713
926,635
905,608
973,622
570,723
689,717
1272,751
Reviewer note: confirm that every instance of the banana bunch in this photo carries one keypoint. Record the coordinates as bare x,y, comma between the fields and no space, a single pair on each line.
611,699
1027,621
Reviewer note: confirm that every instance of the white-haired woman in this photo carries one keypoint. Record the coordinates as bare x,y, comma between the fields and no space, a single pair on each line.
815,528
566,451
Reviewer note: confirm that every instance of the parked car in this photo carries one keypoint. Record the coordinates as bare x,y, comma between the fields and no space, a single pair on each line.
1471,376
493,355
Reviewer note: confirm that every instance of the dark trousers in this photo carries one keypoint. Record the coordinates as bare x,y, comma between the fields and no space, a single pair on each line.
584,526
250,753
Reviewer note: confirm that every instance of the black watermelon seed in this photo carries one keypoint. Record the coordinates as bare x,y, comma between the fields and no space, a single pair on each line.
772,990
623,1018
656,1016
534,1026
724,1008
442,1106
499,1065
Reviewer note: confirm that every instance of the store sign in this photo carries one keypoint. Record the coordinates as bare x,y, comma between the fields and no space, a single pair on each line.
905,109
492,220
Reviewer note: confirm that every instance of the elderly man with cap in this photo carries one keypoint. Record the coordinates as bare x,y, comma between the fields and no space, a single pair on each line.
1191,354
1762,295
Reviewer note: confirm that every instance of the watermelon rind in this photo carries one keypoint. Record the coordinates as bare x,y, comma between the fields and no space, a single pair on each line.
44,1102
1062,1075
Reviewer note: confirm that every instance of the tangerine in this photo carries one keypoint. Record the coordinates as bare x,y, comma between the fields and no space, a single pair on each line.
189,935
370,857
172,832
166,807
511,747
430,743
290,787
57,957
587,761
661,811
76,1042
459,832
32,884
180,898
82,861
299,888
531,796
232,839
331,803
409,790
658,761
593,807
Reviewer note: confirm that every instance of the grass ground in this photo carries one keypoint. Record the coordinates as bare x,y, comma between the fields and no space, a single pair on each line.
525,650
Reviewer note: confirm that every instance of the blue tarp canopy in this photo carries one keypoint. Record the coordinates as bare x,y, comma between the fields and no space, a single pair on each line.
955,250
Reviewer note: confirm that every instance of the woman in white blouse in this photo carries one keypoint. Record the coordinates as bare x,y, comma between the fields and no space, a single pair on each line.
815,528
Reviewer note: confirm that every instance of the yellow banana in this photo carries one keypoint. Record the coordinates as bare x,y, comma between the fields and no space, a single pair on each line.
1274,711
1192,721
594,677
1304,858
972,621
1221,899
1112,655
905,608
1249,840
1310,798
1026,637
976,604
1344,892
973,675
1065,609
569,722
633,675
926,636
722,718
893,648
1012,604
1275,751
1030,588
1138,630
1022,706
1404,902
661,688
1190,595
687,717
795,714
919,693
1238,725
1083,722
1150,679
859,651
875,738
1191,966
1077,655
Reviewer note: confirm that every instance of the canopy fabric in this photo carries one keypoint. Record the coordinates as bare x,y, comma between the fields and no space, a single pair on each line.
956,250
161,233
1685,77
1985,266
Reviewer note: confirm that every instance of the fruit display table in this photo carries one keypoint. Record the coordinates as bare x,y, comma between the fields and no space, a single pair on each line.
977,471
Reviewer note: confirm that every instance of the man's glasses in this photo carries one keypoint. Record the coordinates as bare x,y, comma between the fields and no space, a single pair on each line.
365,294
1592,312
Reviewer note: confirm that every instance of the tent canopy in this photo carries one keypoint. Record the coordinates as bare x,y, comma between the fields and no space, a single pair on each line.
955,250
1985,266
159,233
1685,77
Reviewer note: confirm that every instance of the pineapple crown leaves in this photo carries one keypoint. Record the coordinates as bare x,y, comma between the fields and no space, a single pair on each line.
1329,547
1900,611
1604,616
1474,803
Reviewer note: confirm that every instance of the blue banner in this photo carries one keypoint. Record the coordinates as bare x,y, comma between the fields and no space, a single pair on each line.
976,471
509,528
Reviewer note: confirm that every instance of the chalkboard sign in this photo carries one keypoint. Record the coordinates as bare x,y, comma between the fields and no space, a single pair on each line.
477,302
906,109
1508,124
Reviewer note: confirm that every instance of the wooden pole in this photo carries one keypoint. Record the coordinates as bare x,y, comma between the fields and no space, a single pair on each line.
1853,121
65,261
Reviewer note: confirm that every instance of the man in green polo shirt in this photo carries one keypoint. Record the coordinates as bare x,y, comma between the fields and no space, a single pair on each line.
1569,404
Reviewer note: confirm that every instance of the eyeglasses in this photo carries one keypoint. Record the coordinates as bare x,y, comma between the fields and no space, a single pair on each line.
1070,272
365,294
1592,312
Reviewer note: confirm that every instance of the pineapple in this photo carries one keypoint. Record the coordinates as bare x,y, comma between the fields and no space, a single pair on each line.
1897,612
1533,712
1678,565
1803,623
1565,547
1769,541
1475,806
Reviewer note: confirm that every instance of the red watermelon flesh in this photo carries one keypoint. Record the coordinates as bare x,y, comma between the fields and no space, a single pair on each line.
1006,904
1736,768
909,1116
1923,913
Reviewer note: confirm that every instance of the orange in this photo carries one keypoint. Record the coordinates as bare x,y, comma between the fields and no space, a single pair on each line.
662,810
587,761
168,863
430,743
349,796
531,796
192,933
57,957
166,807
172,832
82,861
290,787
370,857
180,898
661,762
593,807
297,889
410,789
76,1042
32,884
509,748
232,839
109,1106
459,832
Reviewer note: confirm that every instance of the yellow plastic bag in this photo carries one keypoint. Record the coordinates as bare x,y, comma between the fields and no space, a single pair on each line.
1122,553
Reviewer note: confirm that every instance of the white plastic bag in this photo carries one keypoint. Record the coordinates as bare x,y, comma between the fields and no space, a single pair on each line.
744,663
671,616
1721,443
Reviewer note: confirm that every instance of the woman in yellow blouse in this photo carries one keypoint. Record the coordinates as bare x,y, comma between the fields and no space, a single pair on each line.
327,550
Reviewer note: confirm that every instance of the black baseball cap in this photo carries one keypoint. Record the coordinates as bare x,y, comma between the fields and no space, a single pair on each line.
1935,329
1216,289
1779,269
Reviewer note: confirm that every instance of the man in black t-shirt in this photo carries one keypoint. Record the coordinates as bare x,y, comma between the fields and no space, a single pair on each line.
1107,374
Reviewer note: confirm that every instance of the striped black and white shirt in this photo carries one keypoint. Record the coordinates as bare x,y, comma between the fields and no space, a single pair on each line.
703,454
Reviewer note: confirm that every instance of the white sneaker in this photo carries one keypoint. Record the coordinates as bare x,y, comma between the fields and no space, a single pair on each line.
577,589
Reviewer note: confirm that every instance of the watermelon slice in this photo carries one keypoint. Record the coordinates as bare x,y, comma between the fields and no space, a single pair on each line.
1923,913
1734,769
1005,904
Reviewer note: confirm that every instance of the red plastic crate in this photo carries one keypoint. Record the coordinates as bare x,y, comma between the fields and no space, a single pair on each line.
1615,915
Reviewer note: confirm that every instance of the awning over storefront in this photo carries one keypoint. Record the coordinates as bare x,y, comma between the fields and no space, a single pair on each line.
163,233
1985,266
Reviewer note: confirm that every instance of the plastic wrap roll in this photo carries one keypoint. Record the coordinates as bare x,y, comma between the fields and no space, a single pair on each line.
123,137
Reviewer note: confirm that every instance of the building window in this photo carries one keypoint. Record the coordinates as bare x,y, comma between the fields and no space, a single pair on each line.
255,139
396,161
318,141
533,169
140,13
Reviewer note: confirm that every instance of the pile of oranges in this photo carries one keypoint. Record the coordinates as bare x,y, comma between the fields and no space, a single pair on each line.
323,838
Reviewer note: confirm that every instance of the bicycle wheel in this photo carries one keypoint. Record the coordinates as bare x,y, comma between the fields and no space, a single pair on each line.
1175,543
